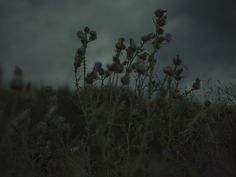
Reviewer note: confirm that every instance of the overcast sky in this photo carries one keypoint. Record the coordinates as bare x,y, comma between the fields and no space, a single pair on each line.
39,35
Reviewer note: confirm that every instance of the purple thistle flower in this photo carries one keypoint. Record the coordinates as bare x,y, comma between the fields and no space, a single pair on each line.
97,66
168,38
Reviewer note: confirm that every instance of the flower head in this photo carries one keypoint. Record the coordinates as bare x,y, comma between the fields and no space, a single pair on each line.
97,66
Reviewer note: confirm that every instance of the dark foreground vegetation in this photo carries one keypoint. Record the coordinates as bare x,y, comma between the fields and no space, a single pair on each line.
121,121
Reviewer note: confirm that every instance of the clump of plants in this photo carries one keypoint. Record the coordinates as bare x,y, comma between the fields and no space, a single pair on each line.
123,119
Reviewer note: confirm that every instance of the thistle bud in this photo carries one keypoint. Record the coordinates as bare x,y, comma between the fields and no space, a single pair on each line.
86,29
160,12
168,70
93,35
116,59
80,34
120,44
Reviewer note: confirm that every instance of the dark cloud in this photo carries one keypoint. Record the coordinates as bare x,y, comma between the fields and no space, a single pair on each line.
39,35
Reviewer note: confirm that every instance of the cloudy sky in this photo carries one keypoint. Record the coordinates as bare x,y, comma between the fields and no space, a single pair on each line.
39,35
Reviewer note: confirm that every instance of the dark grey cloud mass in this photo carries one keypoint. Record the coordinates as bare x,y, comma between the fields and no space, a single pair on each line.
39,35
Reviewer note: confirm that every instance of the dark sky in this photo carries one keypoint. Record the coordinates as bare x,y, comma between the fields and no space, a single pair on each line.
39,35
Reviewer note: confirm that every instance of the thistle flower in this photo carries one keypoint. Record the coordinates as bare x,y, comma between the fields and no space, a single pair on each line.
160,12
129,53
97,66
177,61
93,35
168,70
147,37
196,84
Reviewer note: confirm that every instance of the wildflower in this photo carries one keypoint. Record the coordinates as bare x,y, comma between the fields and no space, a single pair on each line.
140,68
80,34
168,70
77,61
93,35
168,38
148,37
177,61
97,66
129,53
160,12
120,44
125,79
196,84
86,29
161,21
